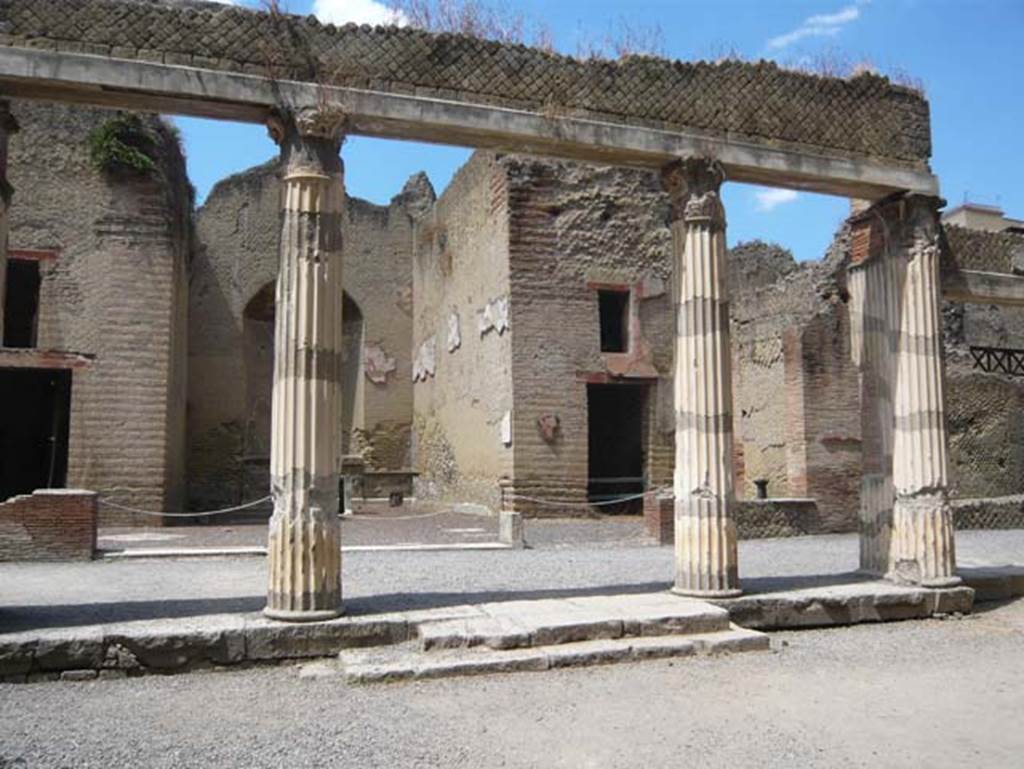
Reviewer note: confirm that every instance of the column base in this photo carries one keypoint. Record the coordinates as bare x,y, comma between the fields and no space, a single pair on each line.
728,593
317,615
942,582
935,583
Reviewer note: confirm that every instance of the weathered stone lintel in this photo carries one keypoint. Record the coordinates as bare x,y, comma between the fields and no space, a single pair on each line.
983,288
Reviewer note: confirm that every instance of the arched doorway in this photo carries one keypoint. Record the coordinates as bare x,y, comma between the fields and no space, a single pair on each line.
258,357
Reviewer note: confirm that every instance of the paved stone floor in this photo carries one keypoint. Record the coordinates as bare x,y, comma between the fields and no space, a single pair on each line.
923,693
38,595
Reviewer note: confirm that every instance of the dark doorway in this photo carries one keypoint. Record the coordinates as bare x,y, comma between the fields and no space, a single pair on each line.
22,305
615,418
33,430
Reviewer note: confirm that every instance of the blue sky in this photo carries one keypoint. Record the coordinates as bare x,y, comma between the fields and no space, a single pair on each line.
968,55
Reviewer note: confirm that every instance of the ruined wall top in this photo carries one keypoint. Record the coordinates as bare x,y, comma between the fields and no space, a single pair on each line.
863,116
968,249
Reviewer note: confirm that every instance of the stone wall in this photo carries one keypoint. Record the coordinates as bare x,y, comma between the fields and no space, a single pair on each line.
863,116
115,291
463,359
967,249
573,229
795,387
231,334
48,525
985,411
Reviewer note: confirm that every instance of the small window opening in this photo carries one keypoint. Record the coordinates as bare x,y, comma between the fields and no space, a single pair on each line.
613,307
22,306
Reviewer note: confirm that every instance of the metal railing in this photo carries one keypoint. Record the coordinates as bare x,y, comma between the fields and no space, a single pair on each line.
999,360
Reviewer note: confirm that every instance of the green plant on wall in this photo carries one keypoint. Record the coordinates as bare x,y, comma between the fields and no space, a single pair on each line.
123,143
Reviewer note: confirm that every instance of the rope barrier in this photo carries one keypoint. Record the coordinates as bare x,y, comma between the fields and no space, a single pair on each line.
384,517
205,514
554,503
254,503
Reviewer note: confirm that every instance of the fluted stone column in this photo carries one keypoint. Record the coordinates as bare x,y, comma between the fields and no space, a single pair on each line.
922,539
304,543
875,288
705,532
8,126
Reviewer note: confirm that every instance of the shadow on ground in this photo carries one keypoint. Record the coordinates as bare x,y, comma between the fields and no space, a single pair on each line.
77,615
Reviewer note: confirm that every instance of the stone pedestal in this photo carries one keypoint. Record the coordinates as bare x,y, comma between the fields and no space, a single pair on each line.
304,543
510,528
8,126
705,532
922,538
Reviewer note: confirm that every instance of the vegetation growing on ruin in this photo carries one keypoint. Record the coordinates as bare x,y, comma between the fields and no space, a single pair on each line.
124,143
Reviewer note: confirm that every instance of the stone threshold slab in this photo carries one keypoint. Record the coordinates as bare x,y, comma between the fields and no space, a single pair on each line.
404,662
844,604
993,583
226,552
545,622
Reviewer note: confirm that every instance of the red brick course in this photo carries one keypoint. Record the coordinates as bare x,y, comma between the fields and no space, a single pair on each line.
48,525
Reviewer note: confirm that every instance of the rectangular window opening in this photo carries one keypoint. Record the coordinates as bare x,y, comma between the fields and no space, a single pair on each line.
21,310
613,307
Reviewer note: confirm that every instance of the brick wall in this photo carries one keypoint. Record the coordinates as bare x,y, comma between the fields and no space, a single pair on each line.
796,390
824,446
864,115
116,291
48,525
573,227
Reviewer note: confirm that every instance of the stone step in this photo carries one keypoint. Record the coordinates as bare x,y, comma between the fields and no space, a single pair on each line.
406,661
547,622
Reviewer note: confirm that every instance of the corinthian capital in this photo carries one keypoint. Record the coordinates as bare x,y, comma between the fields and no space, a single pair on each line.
325,122
693,185
921,216
322,122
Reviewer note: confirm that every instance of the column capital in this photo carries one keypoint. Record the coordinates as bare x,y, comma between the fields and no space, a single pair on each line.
920,214
693,185
310,139
323,122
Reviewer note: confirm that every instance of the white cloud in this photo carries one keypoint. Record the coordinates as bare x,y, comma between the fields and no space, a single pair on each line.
819,25
356,11
768,199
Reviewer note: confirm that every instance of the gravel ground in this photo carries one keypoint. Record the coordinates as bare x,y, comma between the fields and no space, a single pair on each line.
932,693
66,594
401,526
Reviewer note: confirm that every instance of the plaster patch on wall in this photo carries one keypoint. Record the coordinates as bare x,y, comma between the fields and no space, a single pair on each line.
403,299
454,333
426,361
651,286
494,316
548,424
506,429
377,363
